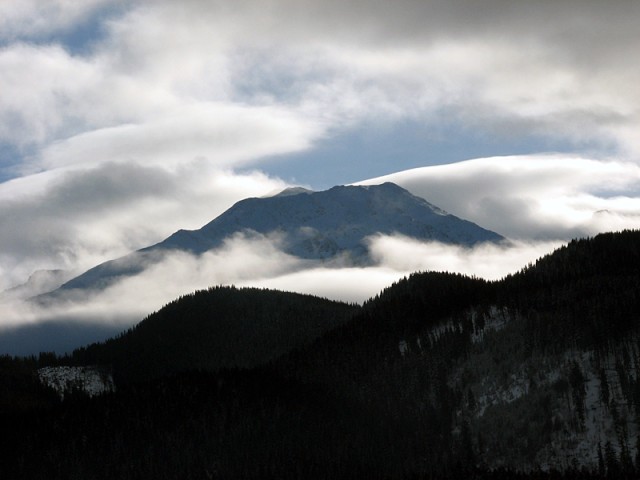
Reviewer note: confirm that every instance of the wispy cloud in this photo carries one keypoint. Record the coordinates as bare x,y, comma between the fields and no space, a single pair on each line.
490,261
240,259
259,261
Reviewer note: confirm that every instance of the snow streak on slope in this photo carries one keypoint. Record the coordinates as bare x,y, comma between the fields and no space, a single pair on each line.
576,401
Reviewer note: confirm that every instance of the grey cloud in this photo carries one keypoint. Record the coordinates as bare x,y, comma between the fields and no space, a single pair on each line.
49,225
531,197
559,69
109,185
410,19
76,194
168,276
79,218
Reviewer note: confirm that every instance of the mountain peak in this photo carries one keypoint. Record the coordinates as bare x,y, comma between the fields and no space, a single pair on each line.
325,225
321,225
288,192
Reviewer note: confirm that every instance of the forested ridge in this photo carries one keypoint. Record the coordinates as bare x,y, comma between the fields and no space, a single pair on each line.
216,328
439,376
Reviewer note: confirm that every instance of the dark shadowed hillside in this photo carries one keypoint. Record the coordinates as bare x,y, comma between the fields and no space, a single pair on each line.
216,328
538,370
440,376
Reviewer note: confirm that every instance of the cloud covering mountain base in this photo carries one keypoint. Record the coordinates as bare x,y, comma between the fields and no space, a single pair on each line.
250,261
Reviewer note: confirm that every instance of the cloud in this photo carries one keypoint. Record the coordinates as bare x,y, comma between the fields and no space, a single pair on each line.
225,135
347,284
76,218
523,70
397,257
34,18
44,91
259,261
170,275
490,261
532,197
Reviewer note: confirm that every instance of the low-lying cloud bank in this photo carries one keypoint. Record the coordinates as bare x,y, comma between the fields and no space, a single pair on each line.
488,260
259,261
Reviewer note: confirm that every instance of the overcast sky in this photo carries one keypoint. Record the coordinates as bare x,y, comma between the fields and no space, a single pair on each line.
122,121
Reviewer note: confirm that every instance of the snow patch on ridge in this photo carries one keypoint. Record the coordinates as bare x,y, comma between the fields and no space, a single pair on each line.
92,380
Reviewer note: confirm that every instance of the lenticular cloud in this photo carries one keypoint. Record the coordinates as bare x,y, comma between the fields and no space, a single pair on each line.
536,197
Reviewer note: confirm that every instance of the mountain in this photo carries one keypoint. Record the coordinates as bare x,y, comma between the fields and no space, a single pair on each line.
441,375
314,225
40,281
540,370
321,225
222,327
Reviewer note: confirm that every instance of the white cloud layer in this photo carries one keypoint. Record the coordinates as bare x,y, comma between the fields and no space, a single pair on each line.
489,261
533,197
223,134
259,261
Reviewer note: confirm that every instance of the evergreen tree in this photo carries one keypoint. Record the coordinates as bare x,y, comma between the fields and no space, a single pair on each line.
468,455
626,462
601,465
576,379
611,461
471,400
604,387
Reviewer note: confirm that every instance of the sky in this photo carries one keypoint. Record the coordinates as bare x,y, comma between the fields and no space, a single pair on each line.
122,121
